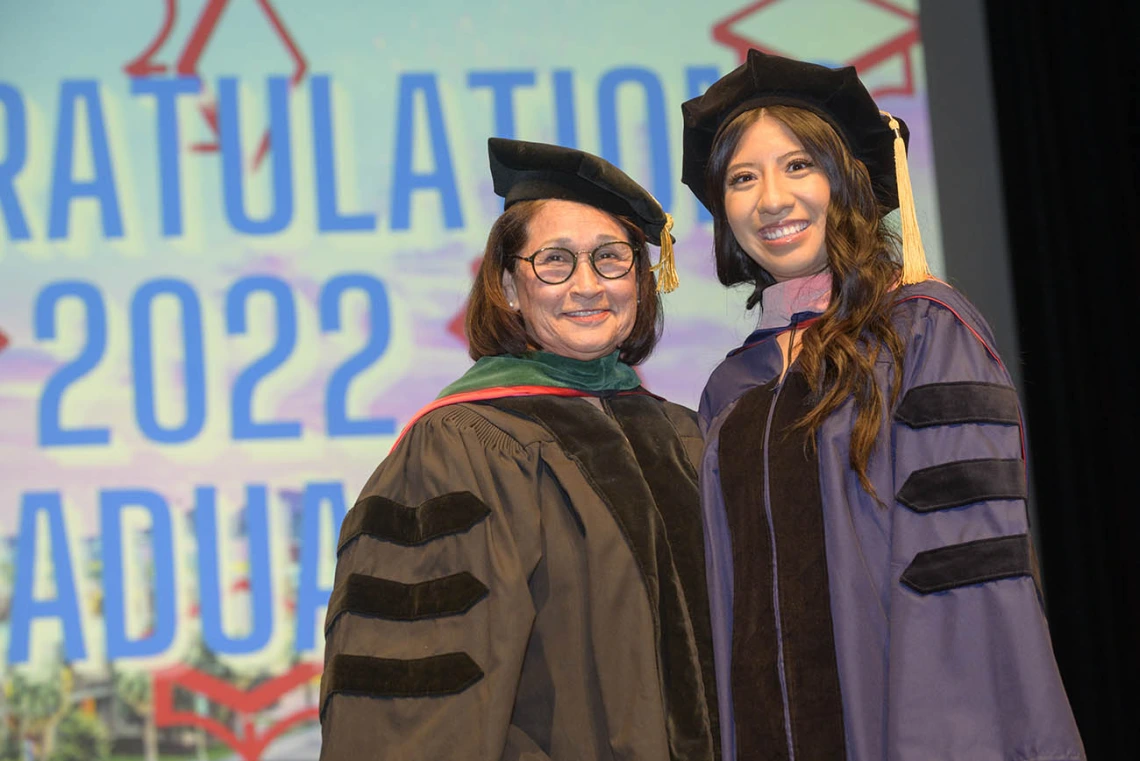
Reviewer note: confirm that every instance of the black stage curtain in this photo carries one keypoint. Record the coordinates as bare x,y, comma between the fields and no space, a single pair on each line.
1065,86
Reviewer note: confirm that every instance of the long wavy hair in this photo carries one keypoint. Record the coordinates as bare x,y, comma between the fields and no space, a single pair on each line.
838,351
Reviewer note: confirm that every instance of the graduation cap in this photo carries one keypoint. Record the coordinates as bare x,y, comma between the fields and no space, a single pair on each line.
875,137
524,171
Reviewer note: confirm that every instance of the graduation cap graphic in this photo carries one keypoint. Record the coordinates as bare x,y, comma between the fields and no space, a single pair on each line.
188,63
877,37
249,742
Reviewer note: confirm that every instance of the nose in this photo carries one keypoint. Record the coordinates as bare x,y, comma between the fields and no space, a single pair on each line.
775,196
585,282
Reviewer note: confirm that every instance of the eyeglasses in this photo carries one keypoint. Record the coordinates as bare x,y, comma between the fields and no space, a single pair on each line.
555,265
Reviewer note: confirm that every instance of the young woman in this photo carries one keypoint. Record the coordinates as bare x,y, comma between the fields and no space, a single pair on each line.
871,574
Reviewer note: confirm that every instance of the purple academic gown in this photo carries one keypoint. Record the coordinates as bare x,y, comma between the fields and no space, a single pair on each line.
908,630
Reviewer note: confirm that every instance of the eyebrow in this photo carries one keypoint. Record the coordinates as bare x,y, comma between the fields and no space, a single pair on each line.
599,239
778,158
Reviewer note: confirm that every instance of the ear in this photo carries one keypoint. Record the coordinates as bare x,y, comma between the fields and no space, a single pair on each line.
509,289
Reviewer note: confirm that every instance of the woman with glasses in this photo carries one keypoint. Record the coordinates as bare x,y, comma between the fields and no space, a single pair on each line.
523,576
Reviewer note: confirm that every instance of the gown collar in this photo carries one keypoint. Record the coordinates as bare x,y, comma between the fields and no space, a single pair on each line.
783,300
540,368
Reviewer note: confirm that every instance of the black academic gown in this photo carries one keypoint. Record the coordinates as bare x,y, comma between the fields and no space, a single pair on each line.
523,578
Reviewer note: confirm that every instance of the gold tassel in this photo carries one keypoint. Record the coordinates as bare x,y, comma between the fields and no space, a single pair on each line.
666,267
915,269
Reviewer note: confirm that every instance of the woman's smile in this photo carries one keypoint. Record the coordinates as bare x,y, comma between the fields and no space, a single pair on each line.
587,315
783,233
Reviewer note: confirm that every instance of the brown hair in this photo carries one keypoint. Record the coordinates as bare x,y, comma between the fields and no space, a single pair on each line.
839,350
494,328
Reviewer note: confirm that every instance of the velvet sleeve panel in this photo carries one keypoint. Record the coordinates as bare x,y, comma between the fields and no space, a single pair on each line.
431,613
971,672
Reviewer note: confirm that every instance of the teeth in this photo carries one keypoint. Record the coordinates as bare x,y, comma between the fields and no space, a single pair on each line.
783,231
585,312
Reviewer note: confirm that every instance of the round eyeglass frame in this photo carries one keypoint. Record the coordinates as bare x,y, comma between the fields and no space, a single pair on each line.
574,267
